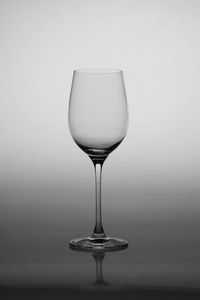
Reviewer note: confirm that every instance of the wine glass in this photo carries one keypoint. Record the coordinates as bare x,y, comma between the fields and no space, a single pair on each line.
98,120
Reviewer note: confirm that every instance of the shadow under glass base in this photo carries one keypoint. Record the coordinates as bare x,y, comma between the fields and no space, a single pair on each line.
98,244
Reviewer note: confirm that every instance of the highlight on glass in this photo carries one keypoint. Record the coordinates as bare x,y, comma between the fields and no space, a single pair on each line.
98,121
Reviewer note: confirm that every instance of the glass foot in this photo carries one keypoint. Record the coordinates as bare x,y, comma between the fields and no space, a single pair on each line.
98,244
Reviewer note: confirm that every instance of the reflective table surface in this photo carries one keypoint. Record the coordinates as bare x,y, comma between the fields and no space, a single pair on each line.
162,260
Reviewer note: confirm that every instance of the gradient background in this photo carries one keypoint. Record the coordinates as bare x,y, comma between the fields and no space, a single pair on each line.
152,179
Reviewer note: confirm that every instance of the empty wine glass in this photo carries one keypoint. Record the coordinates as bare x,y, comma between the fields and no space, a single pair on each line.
98,120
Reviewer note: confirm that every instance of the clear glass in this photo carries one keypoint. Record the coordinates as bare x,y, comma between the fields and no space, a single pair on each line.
98,120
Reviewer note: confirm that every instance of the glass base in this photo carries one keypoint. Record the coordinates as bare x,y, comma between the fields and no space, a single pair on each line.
98,244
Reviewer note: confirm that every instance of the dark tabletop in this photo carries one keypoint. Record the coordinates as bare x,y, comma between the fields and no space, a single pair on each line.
162,260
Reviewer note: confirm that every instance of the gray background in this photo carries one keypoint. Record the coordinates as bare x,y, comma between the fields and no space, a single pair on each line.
156,43
152,178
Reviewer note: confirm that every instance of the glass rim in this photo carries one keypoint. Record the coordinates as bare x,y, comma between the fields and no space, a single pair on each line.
98,70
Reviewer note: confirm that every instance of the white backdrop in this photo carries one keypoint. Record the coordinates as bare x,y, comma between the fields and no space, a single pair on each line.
156,43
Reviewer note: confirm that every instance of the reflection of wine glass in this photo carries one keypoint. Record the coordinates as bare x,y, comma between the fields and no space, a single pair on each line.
99,257
98,119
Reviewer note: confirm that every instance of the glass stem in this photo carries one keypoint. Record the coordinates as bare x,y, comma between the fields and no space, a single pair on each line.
98,230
